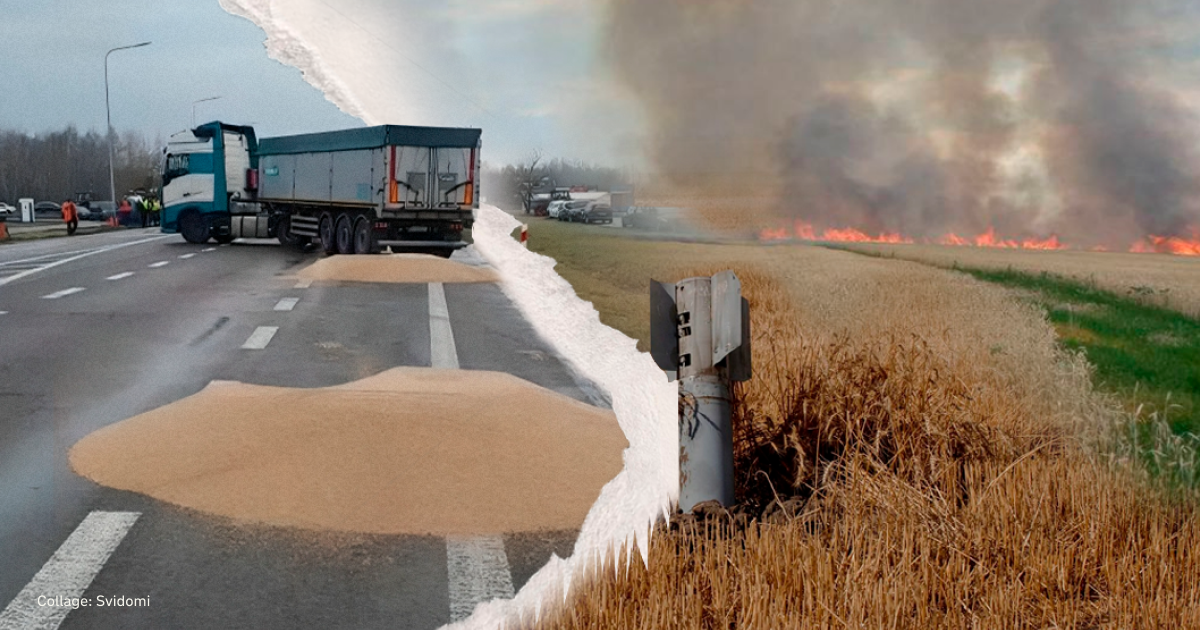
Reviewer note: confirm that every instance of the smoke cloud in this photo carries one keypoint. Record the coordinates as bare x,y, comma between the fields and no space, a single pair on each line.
929,116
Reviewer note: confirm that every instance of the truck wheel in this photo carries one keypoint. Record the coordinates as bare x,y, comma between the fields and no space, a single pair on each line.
193,227
364,237
325,233
344,234
283,232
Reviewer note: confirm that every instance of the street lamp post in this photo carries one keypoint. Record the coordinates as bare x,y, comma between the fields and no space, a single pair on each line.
112,184
194,103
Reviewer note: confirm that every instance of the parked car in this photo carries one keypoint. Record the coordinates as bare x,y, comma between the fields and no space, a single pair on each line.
597,213
573,211
6,209
99,211
46,207
555,207
643,218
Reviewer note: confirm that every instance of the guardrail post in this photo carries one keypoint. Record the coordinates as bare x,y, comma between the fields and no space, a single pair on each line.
700,334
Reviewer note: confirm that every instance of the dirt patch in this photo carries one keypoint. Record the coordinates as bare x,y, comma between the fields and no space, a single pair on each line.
410,450
395,268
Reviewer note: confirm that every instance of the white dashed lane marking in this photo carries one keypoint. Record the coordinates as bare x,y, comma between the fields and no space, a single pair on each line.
161,263
63,293
210,249
287,304
29,266
260,338
3,312
69,572
120,276
304,284
186,256
477,570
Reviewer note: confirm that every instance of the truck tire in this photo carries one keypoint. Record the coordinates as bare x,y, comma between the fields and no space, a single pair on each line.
283,232
194,227
325,233
364,237
344,234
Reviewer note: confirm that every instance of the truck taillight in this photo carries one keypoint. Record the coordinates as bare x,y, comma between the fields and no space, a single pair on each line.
251,179
456,227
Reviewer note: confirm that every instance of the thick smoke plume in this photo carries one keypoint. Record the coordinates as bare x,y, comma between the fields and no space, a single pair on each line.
928,116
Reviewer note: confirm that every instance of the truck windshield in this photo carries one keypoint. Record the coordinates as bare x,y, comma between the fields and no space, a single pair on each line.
180,164
177,166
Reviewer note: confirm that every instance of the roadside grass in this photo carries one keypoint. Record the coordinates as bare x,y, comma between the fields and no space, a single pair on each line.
24,237
613,271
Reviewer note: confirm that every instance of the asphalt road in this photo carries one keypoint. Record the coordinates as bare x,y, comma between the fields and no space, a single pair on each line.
82,345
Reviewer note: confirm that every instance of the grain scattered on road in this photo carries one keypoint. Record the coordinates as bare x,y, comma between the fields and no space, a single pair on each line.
395,268
407,451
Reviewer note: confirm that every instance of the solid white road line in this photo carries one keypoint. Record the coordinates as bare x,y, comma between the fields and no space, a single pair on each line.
120,276
478,572
304,284
63,293
69,572
93,252
186,256
161,263
210,249
260,338
442,353
286,304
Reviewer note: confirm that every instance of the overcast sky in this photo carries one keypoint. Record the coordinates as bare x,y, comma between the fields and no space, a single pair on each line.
52,70
523,71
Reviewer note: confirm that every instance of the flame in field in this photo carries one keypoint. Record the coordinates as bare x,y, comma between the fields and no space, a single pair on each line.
803,231
1177,245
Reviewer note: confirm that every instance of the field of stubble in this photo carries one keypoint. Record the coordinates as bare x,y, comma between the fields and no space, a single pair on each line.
1170,281
915,451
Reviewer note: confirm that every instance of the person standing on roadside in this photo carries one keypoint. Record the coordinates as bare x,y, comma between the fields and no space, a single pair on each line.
70,216
143,209
124,213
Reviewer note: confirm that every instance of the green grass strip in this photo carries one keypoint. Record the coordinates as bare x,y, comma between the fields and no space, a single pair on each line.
1147,354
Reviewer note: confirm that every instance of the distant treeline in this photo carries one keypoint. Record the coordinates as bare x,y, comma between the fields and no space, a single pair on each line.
505,186
55,166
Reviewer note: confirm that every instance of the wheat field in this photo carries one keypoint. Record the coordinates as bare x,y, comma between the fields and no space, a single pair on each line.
1161,279
915,451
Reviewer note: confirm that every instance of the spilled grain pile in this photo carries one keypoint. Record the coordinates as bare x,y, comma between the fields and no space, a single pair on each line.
395,268
914,452
410,450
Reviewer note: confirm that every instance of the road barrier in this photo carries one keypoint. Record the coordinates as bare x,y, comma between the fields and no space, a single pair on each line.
3,228
700,334
525,235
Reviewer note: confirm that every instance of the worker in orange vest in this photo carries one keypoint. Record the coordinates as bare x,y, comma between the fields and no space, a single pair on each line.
71,216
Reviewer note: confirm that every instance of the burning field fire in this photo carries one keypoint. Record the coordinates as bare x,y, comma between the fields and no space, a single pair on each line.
803,231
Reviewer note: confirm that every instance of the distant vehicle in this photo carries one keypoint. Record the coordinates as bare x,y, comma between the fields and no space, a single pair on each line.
554,208
643,218
6,209
46,206
597,212
573,210
98,211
